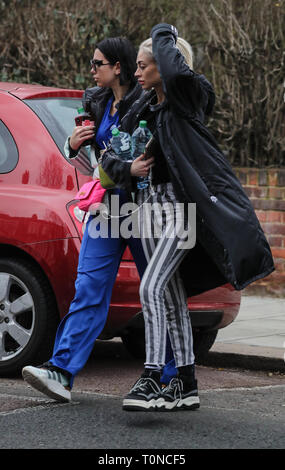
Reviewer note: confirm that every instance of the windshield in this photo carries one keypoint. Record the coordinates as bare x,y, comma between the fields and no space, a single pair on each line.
57,114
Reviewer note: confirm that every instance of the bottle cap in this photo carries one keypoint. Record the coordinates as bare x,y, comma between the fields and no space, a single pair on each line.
80,110
115,131
142,123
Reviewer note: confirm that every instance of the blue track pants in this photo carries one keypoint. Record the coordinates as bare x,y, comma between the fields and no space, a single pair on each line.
99,261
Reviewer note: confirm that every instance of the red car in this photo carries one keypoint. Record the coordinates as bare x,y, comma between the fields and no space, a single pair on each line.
41,231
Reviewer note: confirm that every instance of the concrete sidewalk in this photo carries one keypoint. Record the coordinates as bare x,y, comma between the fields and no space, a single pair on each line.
256,339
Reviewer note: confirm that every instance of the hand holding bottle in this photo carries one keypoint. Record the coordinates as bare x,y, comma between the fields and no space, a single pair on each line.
80,134
84,131
141,166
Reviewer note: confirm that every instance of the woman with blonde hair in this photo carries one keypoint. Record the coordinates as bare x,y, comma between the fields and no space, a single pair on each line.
162,293
187,167
181,44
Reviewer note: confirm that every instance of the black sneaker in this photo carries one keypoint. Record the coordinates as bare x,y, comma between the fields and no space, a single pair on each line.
144,394
180,393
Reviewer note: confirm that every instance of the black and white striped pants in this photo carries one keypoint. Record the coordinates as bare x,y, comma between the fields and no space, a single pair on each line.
162,293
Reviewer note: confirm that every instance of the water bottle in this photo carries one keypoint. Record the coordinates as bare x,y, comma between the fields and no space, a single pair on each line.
140,138
121,144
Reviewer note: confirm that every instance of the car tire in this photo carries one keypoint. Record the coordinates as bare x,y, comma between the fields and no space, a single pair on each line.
134,341
28,315
203,341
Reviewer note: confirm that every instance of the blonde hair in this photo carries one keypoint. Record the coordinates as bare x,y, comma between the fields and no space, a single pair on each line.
183,46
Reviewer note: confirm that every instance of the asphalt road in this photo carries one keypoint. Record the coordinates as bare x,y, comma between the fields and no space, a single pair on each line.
244,418
240,409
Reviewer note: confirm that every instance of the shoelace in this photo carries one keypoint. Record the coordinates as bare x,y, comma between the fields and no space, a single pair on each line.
142,383
174,383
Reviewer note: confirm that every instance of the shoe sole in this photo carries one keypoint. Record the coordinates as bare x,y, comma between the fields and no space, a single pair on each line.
189,403
49,387
139,405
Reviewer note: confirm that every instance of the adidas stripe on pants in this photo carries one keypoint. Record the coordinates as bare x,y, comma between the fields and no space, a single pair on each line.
162,293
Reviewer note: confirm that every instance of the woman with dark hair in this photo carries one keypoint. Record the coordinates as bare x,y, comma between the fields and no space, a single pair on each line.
112,67
120,50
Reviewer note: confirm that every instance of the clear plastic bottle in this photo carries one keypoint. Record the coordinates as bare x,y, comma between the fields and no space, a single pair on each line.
140,138
121,144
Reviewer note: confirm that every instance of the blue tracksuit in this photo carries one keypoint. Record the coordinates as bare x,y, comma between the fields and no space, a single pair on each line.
99,261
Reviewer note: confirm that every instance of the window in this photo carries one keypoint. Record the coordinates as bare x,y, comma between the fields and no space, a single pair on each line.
57,114
8,150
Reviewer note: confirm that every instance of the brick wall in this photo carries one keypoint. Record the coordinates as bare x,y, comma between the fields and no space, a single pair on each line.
266,190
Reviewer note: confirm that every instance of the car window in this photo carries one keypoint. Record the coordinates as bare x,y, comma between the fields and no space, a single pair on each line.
8,150
57,114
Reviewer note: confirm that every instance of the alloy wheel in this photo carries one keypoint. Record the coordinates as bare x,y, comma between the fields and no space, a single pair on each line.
17,316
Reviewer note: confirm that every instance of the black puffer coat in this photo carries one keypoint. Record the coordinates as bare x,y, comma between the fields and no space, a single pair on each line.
231,246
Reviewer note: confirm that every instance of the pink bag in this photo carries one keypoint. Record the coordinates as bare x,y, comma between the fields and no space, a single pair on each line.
91,193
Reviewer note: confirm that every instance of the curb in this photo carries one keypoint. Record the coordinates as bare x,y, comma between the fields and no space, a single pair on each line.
250,362
245,356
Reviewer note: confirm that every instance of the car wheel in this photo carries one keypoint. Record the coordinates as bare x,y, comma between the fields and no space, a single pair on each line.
203,341
134,341
28,315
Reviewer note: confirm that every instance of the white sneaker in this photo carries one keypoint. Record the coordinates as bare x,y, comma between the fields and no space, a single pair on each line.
53,384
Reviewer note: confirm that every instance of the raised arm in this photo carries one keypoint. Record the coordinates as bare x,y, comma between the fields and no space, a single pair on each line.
189,93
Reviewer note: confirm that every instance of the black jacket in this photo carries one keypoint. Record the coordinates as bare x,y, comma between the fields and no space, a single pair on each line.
94,101
231,246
